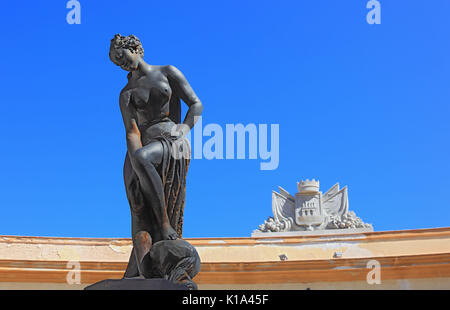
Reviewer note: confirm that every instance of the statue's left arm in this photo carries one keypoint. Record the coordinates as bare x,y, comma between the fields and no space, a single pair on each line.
187,94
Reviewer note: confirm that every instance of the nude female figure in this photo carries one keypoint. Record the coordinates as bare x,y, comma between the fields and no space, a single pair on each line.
154,180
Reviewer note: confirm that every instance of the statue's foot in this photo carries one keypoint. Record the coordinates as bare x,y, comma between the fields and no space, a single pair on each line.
169,233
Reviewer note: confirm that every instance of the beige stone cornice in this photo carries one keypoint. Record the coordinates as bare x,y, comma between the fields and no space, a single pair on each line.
367,236
404,254
332,270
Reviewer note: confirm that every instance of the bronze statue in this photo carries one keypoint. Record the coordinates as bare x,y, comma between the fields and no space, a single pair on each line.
155,179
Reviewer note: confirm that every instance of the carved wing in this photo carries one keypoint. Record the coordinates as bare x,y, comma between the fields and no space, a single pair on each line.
283,206
331,192
335,201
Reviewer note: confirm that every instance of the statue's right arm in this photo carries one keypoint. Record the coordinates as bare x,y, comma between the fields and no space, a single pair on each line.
129,119
126,109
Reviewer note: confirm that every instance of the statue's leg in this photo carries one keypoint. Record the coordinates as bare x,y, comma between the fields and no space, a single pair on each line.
142,243
140,224
144,162
132,268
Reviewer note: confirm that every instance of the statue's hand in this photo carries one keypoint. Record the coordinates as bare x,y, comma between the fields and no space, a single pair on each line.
176,134
179,131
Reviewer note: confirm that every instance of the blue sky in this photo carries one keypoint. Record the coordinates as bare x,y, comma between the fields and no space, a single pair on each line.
364,105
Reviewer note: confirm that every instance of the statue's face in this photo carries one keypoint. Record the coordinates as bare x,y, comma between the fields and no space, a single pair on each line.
124,58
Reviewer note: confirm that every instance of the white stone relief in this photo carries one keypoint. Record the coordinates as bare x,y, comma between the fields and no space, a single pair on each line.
309,210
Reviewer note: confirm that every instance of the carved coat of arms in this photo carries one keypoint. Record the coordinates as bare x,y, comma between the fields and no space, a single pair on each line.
311,210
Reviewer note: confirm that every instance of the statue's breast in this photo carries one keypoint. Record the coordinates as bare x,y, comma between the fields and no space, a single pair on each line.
140,97
151,91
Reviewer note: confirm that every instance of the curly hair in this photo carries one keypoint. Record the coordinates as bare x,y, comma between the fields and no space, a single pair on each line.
130,42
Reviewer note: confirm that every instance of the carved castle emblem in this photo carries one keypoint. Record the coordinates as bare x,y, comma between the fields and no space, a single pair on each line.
310,210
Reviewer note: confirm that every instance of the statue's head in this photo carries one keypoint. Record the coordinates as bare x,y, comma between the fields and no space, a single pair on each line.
126,52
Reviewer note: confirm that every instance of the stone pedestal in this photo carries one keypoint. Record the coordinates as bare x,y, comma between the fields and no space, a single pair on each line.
136,284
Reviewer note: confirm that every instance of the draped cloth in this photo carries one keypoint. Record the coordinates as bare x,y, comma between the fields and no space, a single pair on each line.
173,171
